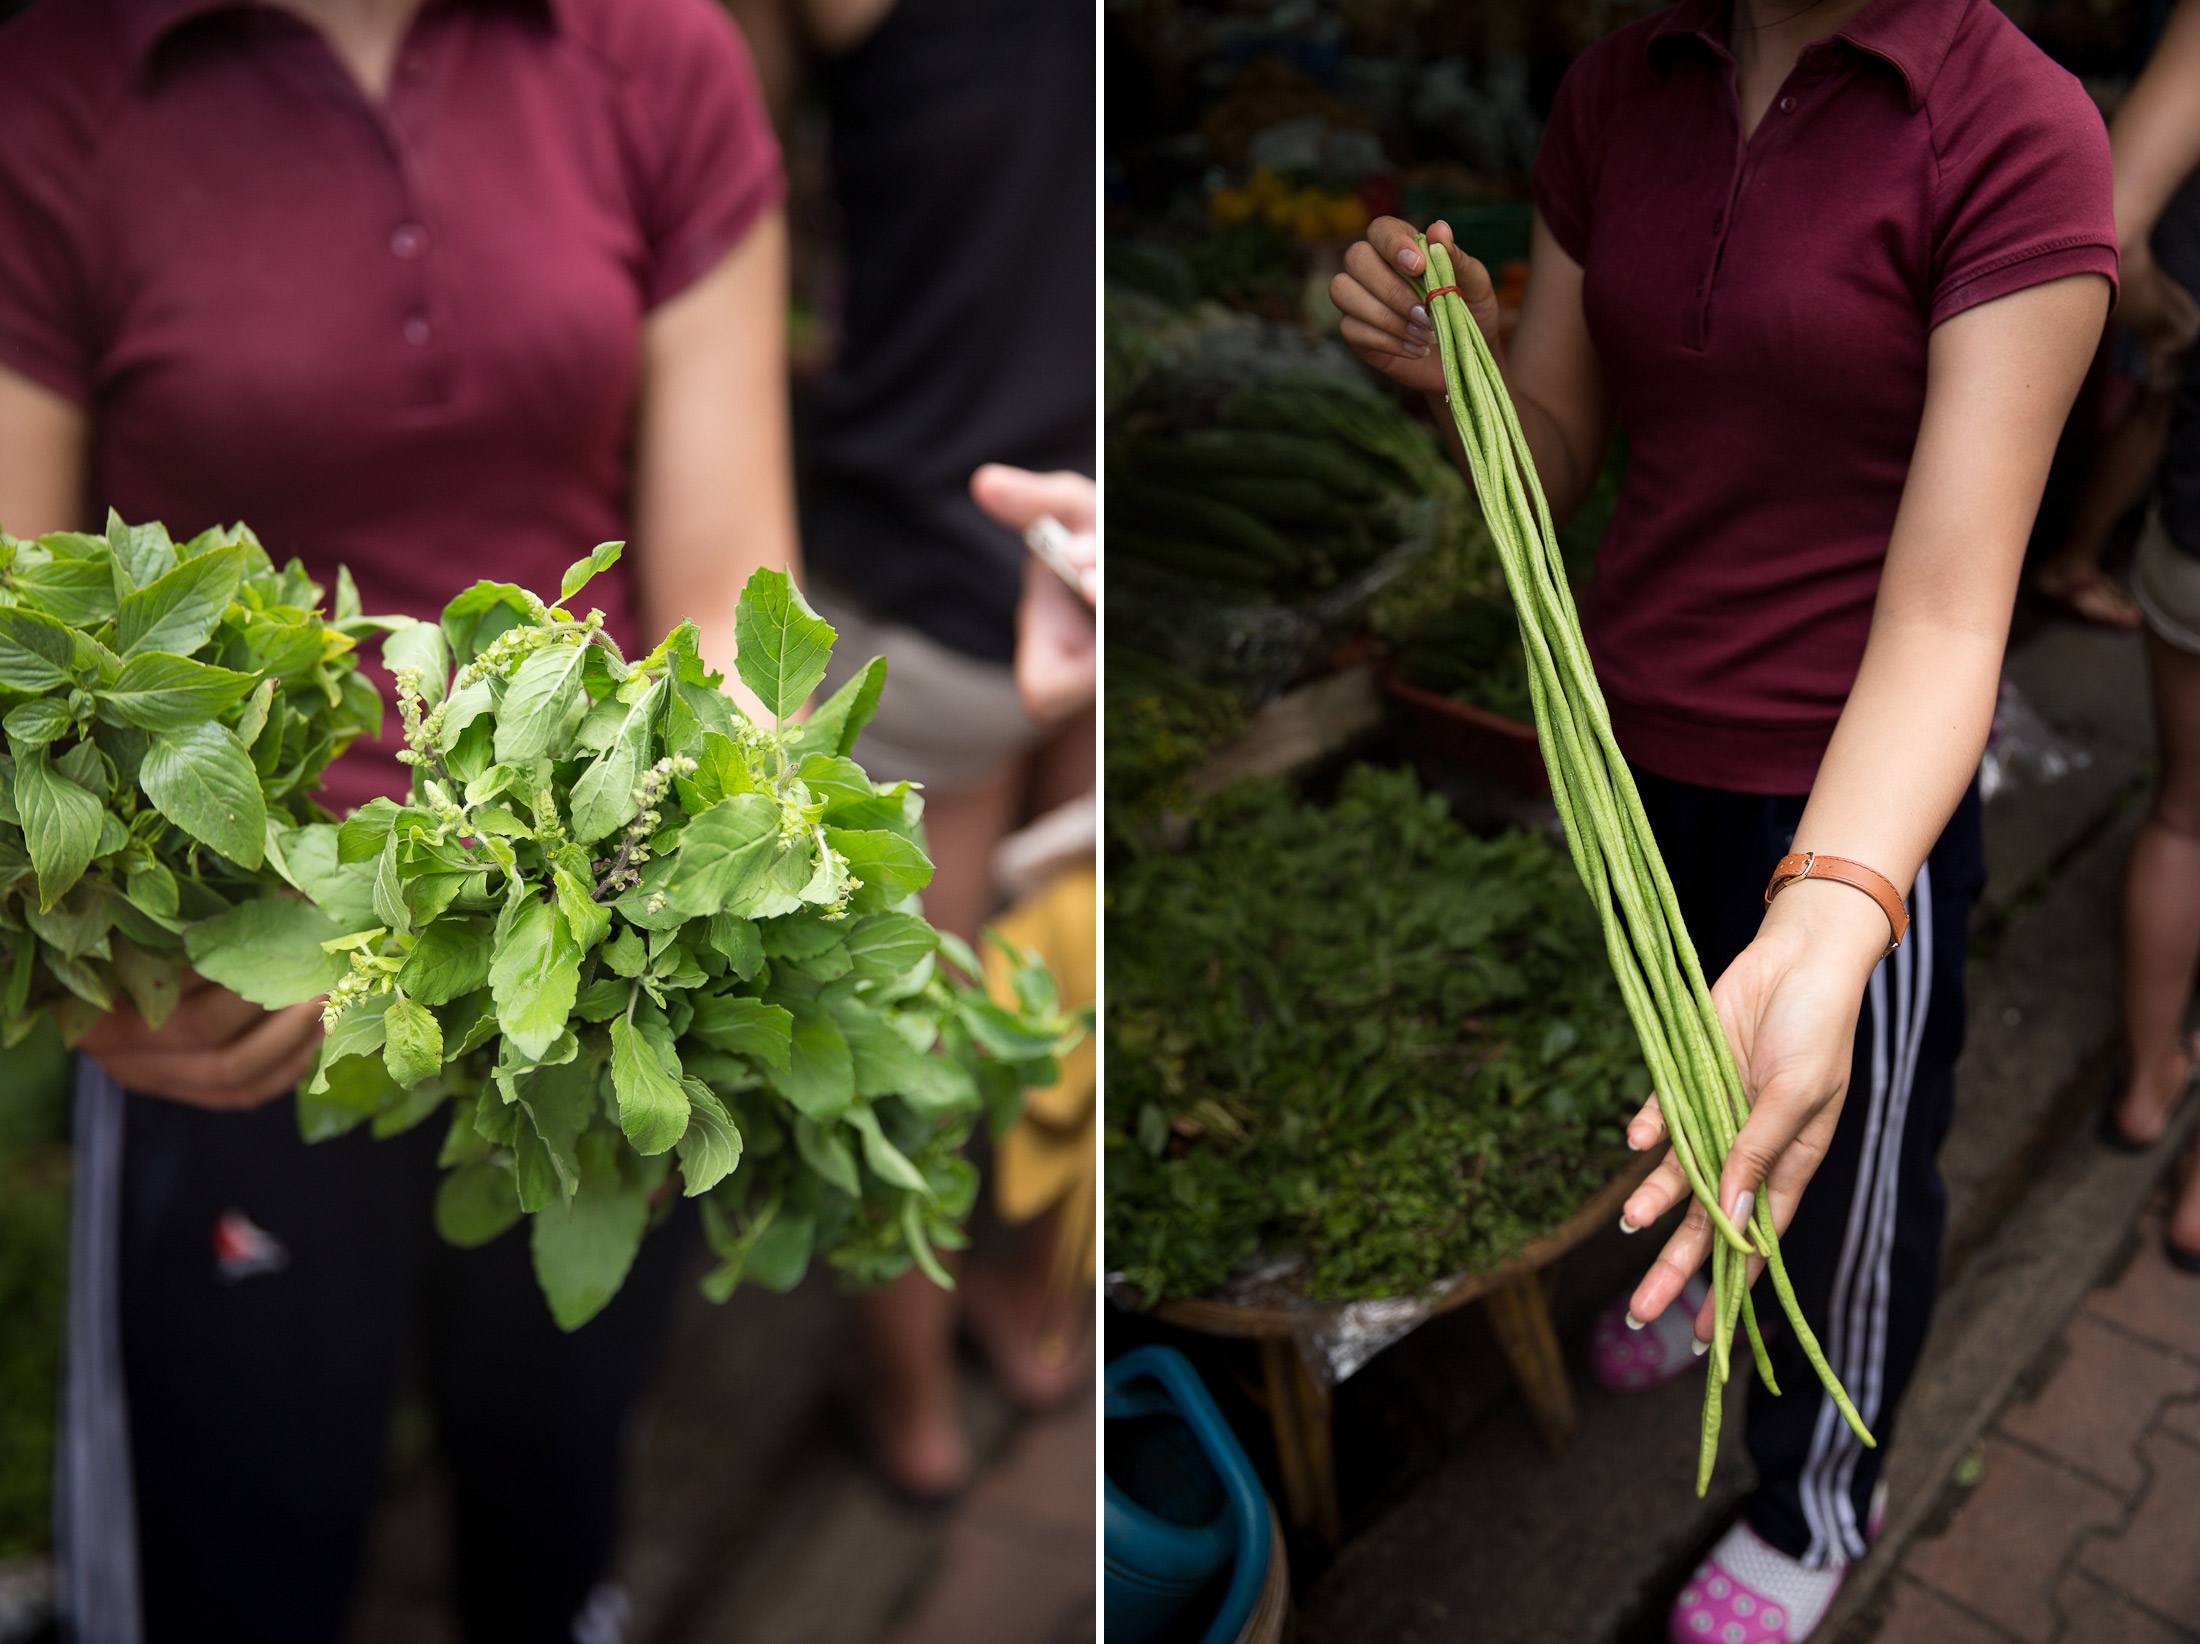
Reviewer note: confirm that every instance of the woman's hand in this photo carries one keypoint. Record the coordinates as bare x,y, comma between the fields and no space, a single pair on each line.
215,1050
1379,294
1057,646
1789,1003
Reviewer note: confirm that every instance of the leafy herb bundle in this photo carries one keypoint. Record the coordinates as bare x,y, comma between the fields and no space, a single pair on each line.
1357,1034
168,709
624,930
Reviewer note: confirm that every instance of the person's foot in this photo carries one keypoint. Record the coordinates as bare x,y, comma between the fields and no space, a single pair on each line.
2149,1101
1747,1591
1034,1340
1627,1358
2182,1235
2085,593
917,1444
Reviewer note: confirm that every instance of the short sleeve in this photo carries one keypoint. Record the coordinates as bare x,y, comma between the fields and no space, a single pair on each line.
45,330
2024,193
713,168
1566,161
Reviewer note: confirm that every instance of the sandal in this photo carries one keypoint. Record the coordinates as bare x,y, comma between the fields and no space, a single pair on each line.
1626,1360
2089,596
1747,1591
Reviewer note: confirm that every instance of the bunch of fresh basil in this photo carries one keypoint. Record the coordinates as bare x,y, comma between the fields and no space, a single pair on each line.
168,711
627,932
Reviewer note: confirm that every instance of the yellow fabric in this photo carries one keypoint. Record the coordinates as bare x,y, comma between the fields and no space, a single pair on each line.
1050,1160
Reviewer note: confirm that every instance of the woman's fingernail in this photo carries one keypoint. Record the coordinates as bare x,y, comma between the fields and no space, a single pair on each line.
1409,259
1744,1203
1626,1226
1419,316
1633,1146
1698,1347
1418,351
1633,1323
1420,333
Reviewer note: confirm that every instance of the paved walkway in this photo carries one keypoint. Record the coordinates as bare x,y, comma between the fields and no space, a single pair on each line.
2083,1523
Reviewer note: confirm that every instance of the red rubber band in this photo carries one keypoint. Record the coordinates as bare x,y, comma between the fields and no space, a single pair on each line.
1441,291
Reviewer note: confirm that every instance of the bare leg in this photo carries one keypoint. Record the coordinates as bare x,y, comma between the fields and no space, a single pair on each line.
908,1328
2161,928
2125,466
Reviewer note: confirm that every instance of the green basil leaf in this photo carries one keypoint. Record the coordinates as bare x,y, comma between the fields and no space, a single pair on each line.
534,976
201,779
177,612
36,723
581,571
887,1162
888,864
603,798
81,592
145,552
583,1248
825,1150
476,1203
60,824
743,1026
840,719
820,1075
887,946
36,652
450,960
724,854
542,693
653,1108
710,1147
159,692
413,1047
268,951
781,645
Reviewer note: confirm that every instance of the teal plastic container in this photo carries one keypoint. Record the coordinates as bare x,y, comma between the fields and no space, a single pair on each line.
1184,1514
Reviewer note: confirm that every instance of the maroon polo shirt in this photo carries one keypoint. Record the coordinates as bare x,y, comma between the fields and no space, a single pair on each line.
1762,313
401,335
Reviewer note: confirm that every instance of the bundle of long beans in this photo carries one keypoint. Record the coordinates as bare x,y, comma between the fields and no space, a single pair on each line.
1699,1089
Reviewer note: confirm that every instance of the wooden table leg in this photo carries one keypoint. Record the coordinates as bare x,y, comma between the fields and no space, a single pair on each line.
1520,1314
1298,1416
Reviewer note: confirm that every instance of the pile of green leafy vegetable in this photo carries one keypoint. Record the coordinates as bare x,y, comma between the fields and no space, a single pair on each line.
1355,1035
626,933
1162,727
1472,654
168,711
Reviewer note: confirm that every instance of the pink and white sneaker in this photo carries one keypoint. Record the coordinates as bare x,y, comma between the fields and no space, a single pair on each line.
1749,1592
1626,1359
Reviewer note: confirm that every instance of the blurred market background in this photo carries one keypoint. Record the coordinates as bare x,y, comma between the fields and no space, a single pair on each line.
1313,687
754,1514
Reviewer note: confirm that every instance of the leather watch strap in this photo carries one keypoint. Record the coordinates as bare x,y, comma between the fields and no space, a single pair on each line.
1817,865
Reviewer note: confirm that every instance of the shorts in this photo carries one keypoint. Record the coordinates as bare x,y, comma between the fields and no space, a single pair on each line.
947,720
2165,581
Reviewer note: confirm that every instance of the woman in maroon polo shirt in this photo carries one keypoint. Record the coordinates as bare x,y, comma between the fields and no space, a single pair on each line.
1838,270
437,291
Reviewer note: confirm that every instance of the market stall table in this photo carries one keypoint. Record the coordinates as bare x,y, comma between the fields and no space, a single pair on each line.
1514,1301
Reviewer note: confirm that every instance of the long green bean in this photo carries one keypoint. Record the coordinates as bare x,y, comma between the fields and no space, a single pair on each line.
1700,1092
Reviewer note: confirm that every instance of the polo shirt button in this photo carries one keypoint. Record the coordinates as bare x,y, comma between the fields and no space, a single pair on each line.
417,330
1787,105
407,241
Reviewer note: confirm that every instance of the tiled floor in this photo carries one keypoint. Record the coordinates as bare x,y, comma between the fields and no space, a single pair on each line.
2084,1527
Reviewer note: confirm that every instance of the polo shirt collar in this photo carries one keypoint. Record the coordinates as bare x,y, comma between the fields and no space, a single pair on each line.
1911,36
148,23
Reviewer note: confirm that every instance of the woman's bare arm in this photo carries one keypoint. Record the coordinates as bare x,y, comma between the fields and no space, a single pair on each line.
713,474
2000,382
45,445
